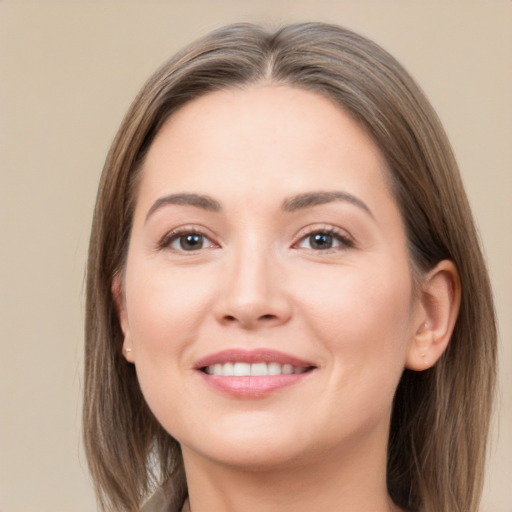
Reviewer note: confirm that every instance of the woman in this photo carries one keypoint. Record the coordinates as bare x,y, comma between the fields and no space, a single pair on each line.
281,288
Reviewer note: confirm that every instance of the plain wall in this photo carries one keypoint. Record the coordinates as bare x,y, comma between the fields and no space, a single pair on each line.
68,71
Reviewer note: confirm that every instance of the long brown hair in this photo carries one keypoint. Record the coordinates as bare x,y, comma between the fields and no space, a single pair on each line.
440,416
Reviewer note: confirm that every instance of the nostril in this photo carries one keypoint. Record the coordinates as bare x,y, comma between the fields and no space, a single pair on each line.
231,319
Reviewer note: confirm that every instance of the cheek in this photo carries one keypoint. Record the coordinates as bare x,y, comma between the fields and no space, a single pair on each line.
166,308
165,311
364,319
363,325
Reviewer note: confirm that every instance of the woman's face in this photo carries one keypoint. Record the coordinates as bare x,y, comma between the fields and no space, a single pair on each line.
267,299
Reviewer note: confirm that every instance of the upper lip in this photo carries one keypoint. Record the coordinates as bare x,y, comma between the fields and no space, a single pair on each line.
251,356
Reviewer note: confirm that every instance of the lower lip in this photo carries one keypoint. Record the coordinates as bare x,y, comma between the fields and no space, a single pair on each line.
253,386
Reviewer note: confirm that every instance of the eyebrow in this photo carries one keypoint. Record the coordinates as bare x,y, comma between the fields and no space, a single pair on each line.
196,200
292,204
310,199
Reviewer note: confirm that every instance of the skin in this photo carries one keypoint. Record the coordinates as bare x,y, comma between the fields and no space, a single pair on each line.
257,282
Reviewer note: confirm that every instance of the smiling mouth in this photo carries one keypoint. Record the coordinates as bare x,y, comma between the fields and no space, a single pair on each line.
257,373
257,369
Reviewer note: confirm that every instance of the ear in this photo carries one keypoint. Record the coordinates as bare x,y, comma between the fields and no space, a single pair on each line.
119,301
439,306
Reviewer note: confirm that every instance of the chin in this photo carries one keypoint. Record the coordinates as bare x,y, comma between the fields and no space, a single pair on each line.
248,446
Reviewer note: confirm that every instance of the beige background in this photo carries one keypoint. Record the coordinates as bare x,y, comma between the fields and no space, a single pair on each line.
69,71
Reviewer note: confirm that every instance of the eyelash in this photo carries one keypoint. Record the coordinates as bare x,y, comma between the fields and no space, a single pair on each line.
345,242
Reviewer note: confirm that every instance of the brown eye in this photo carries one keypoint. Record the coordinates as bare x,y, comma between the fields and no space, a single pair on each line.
189,242
320,241
323,240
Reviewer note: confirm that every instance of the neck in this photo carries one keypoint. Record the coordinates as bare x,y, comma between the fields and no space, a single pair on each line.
356,484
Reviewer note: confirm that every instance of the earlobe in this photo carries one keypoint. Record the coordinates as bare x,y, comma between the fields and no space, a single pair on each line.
439,308
119,301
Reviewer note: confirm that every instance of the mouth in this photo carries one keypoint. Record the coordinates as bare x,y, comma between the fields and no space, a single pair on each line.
254,373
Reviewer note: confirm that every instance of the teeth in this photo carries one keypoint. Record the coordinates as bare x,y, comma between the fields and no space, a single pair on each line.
259,369
274,369
239,369
226,369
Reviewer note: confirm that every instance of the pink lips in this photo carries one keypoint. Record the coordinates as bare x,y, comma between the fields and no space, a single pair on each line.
251,356
252,386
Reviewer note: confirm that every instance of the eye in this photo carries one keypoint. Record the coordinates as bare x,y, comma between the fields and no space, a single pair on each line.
323,240
186,241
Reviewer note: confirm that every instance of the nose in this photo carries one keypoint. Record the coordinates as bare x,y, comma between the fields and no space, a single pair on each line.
253,293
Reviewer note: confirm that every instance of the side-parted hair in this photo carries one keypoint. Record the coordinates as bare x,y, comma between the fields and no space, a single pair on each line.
440,417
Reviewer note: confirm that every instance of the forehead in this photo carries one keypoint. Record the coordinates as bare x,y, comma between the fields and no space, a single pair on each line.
271,138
